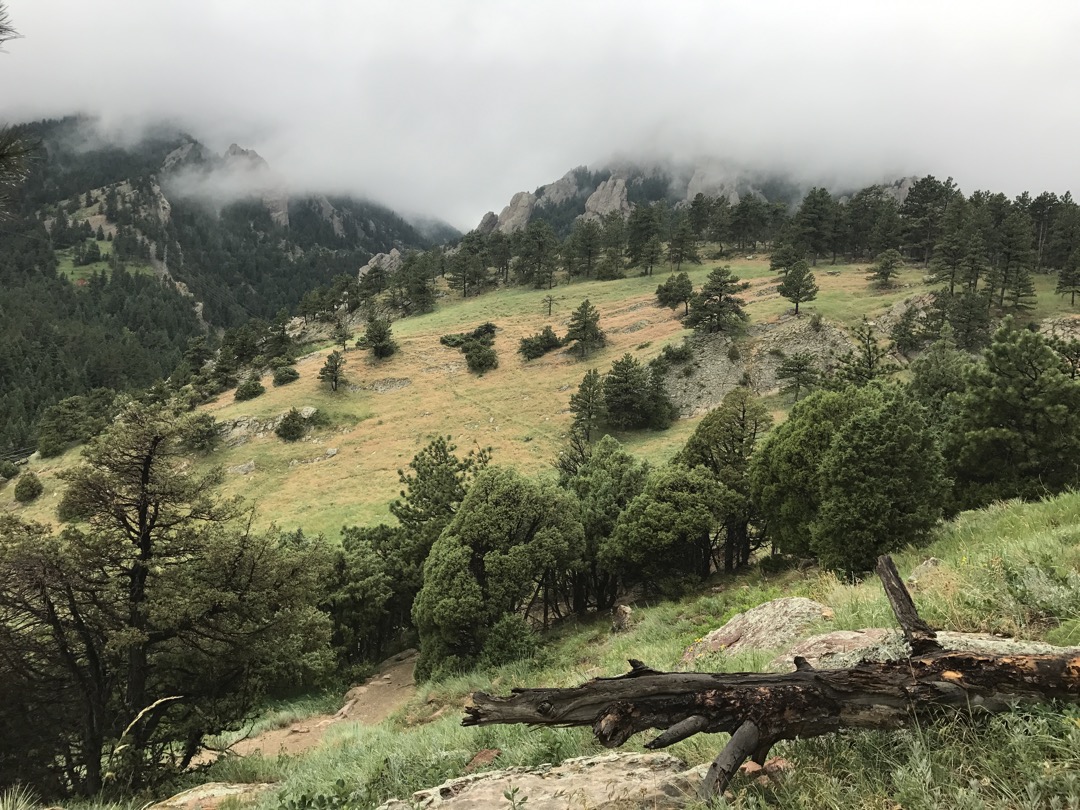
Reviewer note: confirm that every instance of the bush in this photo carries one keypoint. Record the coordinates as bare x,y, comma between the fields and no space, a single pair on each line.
815,321
8,469
480,357
200,434
484,333
292,426
539,344
249,389
283,375
28,488
510,640
733,353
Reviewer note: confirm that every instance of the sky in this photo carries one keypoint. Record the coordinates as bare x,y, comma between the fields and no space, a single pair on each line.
447,107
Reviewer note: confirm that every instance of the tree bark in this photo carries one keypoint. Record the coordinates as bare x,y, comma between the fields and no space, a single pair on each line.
760,709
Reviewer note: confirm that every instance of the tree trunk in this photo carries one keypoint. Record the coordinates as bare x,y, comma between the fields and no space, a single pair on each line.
759,709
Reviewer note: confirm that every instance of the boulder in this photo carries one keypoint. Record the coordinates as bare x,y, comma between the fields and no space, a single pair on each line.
621,616
607,782
213,794
308,411
243,469
845,648
770,626
922,571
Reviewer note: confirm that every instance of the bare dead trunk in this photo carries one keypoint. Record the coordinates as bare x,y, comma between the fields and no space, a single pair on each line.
760,709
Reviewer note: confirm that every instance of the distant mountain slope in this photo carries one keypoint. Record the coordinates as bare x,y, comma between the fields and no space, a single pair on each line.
224,226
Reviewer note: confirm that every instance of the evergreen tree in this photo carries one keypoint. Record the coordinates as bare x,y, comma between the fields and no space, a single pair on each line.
588,404
867,361
886,266
511,538
906,335
587,245
585,332
1017,432
341,333
799,373
698,214
1068,282
799,285
923,213
937,377
678,289
717,308
882,486
378,337
784,257
333,370
642,236
814,223
722,443
683,245
627,398
1021,291
719,227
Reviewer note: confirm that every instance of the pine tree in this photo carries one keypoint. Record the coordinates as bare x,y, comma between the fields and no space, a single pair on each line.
800,374
799,284
333,370
626,394
683,245
865,363
586,238
585,332
1021,292
341,333
378,337
1069,278
587,404
885,266
717,308
676,290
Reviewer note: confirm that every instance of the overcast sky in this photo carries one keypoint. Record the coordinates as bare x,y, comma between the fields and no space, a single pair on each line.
447,107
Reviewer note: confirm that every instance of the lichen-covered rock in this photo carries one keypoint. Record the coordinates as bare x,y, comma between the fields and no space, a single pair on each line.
389,263
213,794
770,626
841,649
609,782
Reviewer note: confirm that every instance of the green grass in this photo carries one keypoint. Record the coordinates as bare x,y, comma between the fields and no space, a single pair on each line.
66,265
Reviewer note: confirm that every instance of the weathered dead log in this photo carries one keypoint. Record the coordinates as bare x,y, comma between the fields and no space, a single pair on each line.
760,709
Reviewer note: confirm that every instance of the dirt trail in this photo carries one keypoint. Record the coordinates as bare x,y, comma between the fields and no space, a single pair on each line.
381,695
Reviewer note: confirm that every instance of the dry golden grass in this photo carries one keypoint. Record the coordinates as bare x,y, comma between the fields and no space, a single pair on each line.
520,409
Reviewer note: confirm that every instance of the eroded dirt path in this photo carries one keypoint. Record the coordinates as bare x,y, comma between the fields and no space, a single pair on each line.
376,699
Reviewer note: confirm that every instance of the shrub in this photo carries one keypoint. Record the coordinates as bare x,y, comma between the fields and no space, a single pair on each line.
539,344
249,389
484,333
480,357
292,426
8,469
510,639
815,321
28,487
200,434
733,353
683,353
283,375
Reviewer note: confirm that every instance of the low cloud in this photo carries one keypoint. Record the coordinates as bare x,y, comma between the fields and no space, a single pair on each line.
447,109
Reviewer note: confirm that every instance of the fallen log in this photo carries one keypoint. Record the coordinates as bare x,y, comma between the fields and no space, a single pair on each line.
760,709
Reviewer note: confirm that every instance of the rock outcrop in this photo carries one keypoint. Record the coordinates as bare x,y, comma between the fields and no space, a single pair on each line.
516,215
609,196
608,782
390,263
488,223
563,189
770,626
845,648
214,794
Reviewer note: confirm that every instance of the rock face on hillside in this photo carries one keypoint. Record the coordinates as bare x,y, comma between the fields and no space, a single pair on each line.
609,782
770,626
609,196
488,224
516,215
389,262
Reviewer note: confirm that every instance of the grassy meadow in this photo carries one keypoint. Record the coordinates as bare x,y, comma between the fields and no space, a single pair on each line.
392,408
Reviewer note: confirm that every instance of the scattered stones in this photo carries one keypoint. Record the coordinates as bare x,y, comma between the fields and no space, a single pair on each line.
609,782
770,626
331,452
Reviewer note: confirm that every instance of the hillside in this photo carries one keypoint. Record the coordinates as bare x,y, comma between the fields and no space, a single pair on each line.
1027,758
391,408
